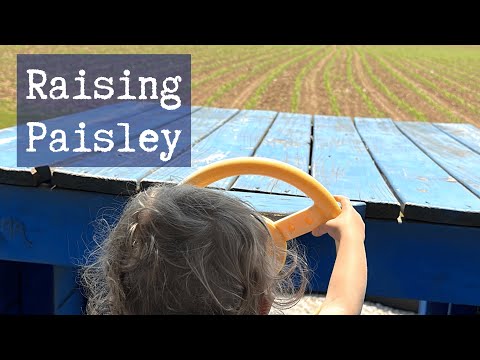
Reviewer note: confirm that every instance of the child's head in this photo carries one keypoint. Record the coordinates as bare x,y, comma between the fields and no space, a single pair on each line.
188,250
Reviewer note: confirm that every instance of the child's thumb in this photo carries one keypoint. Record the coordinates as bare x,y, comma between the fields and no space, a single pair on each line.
320,230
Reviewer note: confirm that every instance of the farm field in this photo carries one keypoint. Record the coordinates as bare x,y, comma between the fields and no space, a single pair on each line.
424,83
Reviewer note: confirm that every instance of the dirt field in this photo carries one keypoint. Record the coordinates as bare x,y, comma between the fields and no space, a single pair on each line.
425,83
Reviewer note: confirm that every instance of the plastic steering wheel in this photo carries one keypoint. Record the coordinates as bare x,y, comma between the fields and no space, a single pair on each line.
324,206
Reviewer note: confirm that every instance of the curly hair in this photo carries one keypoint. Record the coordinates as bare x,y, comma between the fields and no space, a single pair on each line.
189,250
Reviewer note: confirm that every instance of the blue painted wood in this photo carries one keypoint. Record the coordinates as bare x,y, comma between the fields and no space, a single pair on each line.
30,235
277,206
418,260
125,180
207,120
8,136
425,190
37,289
68,298
433,308
342,164
287,140
458,160
154,118
422,307
239,137
107,113
52,238
120,110
10,287
8,157
467,134
412,260
459,309
98,117
8,150
274,206
57,236
11,174
438,308
9,132
114,180
23,176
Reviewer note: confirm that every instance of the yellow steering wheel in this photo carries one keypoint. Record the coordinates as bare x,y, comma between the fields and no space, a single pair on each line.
324,206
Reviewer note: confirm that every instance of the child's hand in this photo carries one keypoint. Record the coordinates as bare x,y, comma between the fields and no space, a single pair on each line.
348,282
348,226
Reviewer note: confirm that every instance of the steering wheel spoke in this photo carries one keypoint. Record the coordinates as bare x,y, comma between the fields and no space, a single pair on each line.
300,223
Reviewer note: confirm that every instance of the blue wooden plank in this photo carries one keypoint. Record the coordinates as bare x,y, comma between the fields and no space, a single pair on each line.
207,120
154,118
28,234
58,236
44,289
8,136
53,238
458,160
102,114
467,134
125,180
432,308
238,137
8,132
411,260
287,140
425,190
420,260
438,308
109,173
114,179
276,206
459,309
99,117
8,157
8,148
343,165
23,176
68,298
150,115
11,174
10,287
37,289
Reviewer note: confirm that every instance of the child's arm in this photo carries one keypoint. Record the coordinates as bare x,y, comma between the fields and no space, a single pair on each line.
346,290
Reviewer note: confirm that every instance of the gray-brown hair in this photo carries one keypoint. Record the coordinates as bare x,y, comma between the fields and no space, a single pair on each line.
189,250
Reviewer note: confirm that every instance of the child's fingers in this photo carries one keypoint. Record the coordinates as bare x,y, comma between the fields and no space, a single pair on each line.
323,229
319,231
344,201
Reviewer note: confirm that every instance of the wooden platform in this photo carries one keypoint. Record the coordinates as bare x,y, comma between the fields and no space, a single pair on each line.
417,182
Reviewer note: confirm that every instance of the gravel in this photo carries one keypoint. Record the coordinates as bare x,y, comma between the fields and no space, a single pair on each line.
310,303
